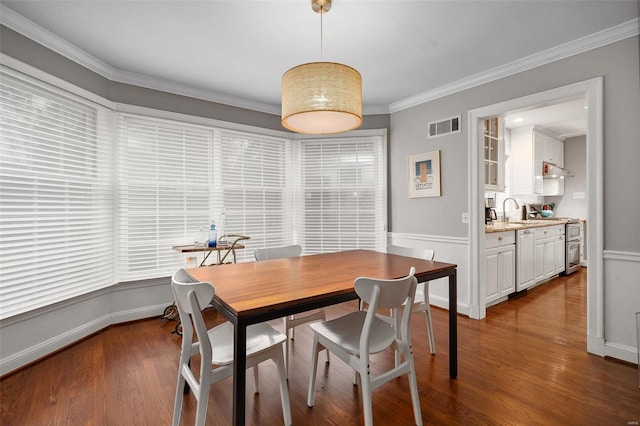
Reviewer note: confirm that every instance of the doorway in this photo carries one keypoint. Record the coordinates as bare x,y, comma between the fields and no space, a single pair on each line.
591,91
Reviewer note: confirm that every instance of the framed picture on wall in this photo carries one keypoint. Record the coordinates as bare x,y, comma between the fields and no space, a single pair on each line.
424,175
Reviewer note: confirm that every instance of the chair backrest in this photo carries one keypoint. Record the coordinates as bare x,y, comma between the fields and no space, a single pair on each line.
386,294
277,252
191,298
419,253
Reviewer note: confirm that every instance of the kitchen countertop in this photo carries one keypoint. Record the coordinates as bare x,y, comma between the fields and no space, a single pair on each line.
514,225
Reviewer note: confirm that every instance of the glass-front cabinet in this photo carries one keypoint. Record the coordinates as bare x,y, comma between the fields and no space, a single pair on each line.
493,140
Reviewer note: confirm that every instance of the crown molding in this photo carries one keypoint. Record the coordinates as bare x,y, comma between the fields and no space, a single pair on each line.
164,85
34,32
29,29
602,38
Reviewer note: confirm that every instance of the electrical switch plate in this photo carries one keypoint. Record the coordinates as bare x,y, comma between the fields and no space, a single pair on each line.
578,195
465,217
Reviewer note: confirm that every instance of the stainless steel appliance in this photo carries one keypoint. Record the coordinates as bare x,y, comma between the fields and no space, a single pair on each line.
489,210
573,240
531,211
490,215
551,171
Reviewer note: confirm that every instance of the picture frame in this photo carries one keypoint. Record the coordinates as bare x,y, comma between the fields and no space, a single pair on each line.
424,175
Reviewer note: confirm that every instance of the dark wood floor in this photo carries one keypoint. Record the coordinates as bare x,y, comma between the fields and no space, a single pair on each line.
526,363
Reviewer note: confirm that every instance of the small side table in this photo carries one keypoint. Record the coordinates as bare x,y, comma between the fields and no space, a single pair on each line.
222,252
229,246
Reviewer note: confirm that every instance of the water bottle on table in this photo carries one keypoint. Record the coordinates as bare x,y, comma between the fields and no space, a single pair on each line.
213,235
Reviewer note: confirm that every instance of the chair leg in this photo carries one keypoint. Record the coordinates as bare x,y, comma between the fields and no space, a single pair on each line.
256,379
413,385
203,400
284,390
311,392
285,330
287,357
177,406
432,341
293,330
324,318
367,406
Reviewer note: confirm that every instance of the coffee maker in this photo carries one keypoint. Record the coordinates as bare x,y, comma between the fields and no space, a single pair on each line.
490,210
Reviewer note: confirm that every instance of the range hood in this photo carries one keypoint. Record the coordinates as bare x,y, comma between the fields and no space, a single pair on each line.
551,171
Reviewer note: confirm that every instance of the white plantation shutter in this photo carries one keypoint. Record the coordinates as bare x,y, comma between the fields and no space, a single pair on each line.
164,193
340,201
87,200
254,188
56,196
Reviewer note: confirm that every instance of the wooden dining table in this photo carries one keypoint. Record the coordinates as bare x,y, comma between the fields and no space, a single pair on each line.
253,292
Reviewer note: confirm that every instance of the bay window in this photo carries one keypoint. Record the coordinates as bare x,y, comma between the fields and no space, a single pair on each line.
91,196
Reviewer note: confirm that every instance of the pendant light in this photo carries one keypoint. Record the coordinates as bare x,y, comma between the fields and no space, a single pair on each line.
321,97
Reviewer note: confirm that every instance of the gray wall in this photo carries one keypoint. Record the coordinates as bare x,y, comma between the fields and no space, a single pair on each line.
618,63
575,159
29,52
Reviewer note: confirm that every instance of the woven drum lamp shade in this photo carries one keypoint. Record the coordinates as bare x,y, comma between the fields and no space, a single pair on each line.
321,98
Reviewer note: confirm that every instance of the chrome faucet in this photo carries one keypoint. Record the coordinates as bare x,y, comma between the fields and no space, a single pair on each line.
504,210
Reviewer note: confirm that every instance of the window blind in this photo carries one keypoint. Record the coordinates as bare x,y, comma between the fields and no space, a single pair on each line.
341,194
56,195
253,188
164,190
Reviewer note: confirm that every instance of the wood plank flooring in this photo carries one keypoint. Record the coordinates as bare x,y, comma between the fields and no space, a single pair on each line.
526,363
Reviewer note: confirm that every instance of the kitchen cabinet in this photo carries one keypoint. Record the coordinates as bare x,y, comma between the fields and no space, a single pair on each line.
559,248
500,251
494,151
553,150
530,147
549,252
525,261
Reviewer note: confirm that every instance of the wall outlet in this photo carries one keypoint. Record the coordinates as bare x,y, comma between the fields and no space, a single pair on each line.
465,217
578,195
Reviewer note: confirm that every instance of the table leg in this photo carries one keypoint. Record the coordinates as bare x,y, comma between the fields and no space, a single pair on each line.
453,325
239,372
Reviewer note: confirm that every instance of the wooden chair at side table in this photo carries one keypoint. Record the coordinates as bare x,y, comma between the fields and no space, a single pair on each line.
421,302
355,336
292,321
215,348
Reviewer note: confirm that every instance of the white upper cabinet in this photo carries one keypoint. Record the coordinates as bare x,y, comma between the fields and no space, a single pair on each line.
553,151
530,147
493,139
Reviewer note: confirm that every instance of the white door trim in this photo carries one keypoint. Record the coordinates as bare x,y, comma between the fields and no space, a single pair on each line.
592,91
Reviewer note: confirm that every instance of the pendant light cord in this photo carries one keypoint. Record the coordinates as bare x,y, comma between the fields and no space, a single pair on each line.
321,36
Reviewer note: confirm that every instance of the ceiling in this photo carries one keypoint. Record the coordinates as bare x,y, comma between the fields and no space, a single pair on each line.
235,52
564,119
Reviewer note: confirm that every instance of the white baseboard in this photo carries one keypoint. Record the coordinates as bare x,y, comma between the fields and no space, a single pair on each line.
44,348
595,345
625,353
443,303
49,346
136,314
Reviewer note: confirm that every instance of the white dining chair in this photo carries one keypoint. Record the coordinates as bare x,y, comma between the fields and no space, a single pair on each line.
356,336
215,349
292,321
421,302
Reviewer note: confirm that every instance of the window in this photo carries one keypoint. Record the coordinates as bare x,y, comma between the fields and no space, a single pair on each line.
341,202
91,197
56,214
164,190
254,188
